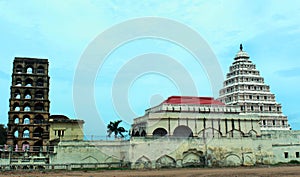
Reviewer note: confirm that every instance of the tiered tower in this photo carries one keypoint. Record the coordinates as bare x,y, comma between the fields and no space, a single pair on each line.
28,127
246,88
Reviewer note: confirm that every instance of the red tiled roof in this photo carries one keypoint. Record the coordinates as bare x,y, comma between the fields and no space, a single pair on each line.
192,100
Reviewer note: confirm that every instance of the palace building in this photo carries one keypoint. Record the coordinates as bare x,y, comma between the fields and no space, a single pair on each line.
204,117
244,126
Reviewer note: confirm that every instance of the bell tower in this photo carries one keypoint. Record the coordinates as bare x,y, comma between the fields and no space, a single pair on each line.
28,127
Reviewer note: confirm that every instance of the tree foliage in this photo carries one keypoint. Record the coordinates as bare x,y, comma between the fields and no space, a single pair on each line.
113,127
3,130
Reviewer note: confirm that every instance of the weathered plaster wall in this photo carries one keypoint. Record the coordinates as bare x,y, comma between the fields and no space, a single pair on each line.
176,152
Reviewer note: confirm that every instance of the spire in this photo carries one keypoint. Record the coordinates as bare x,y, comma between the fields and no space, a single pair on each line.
241,54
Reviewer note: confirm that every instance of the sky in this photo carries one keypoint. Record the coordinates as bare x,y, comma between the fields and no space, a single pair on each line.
139,73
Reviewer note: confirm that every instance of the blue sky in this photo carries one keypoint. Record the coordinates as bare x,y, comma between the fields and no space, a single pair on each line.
62,31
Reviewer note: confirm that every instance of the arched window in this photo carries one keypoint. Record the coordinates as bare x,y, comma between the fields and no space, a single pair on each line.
26,133
16,134
27,94
39,94
183,131
160,132
17,94
39,119
39,107
27,107
38,132
40,83
28,82
25,146
18,82
16,107
40,70
16,120
143,133
19,69
29,70
26,119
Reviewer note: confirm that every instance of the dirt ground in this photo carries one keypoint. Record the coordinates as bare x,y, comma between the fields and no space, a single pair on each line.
281,171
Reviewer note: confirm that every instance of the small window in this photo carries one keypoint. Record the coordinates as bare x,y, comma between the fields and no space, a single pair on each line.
16,120
17,95
18,82
286,155
40,83
27,108
17,108
26,120
297,154
38,119
39,107
250,97
40,70
274,122
28,83
28,96
26,134
257,97
29,70
19,69
264,122
16,134
252,108
39,95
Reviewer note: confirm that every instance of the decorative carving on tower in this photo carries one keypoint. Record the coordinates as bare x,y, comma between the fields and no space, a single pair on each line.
245,87
28,127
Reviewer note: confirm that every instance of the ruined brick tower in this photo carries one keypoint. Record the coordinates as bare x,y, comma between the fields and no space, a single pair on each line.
28,115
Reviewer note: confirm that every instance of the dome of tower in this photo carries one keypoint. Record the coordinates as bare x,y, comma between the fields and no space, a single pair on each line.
241,53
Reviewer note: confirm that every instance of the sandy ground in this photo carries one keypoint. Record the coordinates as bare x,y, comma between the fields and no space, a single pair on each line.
284,171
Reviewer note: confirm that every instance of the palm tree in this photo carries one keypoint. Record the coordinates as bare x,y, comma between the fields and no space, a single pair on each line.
113,127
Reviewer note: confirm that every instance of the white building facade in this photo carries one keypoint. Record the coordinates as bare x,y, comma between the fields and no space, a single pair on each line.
203,117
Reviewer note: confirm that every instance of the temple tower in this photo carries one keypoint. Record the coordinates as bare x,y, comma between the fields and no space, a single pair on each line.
28,127
245,87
